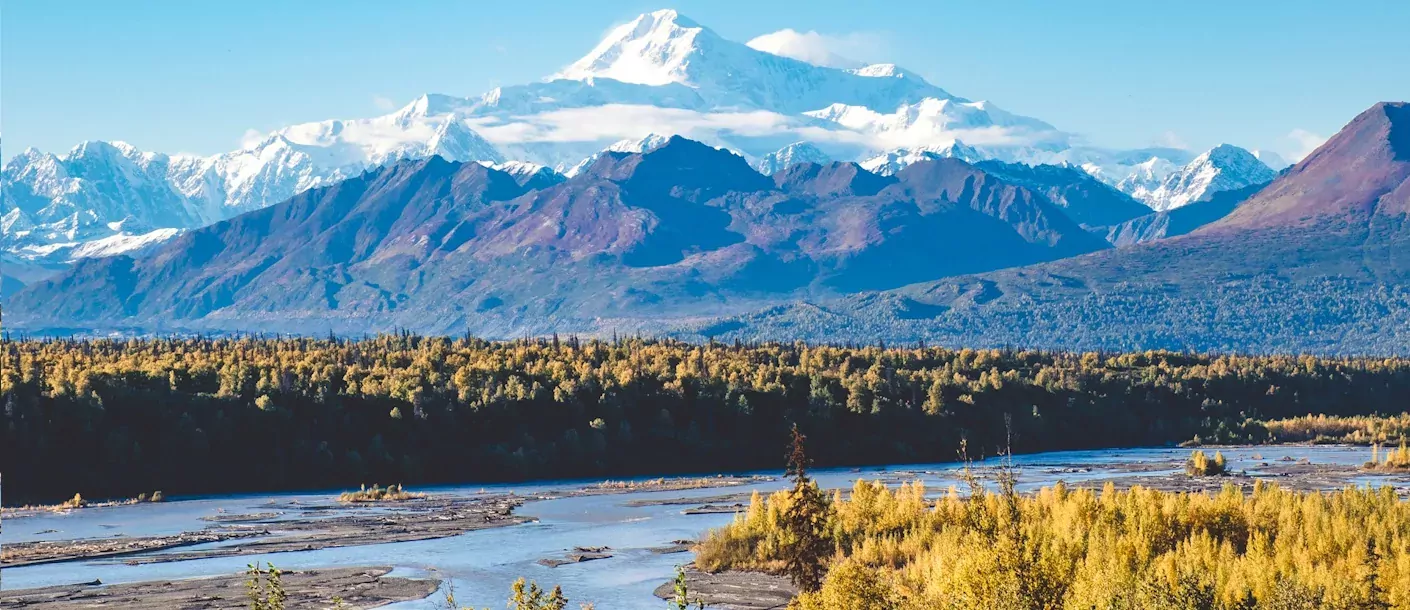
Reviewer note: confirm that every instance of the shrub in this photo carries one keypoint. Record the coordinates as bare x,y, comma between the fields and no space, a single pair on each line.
1201,465
265,588
1393,460
76,501
390,493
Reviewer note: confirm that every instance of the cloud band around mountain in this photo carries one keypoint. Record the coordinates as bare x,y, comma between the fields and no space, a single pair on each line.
613,122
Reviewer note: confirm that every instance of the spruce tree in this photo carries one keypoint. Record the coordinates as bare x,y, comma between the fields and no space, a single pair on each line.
807,550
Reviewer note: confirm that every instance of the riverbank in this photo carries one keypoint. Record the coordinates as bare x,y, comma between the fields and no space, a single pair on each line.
649,525
358,588
313,527
733,590
294,526
1284,471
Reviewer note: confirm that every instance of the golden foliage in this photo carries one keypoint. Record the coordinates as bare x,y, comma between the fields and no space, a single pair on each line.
1391,460
1201,465
1357,430
390,493
76,501
1076,549
116,417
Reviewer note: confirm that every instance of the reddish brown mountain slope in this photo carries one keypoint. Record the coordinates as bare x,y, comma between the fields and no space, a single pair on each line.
1318,261
1358,174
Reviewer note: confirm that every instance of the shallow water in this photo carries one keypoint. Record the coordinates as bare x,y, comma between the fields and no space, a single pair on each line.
480,565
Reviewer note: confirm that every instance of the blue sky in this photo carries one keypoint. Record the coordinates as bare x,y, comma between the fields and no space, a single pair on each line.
196,76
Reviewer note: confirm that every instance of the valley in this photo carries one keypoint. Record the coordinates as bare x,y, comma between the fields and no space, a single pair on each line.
571,306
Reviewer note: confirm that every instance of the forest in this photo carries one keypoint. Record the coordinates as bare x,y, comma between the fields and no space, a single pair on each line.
119,417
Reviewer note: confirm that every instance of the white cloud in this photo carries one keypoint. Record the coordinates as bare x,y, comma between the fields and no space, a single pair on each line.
614,122
1304,142
620,121
1170,139
383,103
1271,159
833,51
251,137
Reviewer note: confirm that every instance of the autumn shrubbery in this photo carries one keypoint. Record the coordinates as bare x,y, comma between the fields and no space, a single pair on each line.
1355,430
390,493
1201,464
1395,460
76,501
1082,549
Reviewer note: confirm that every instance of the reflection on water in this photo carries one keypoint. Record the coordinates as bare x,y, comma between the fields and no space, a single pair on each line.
482,564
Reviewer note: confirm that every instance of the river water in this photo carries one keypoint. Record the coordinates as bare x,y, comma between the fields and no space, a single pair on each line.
482,564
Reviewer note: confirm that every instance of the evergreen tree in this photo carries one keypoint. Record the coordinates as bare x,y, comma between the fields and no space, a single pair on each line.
807,550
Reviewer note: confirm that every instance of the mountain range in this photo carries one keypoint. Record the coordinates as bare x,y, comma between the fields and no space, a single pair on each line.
749,196
1317,261
661,73
690,240
681,230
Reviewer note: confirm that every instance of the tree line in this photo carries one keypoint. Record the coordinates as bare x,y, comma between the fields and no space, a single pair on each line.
110,418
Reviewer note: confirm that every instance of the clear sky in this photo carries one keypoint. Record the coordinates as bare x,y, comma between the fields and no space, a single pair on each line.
194,76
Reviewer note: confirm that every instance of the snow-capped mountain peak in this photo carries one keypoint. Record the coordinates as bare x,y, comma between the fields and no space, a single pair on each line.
891,162
115,196
653,49
793,154
660,72
455,141
1139,180
649,142
880,71
665,48
1222,168
516,168
531,175
26,156
428,105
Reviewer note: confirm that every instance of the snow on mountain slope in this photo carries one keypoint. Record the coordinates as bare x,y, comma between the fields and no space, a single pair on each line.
51,203
1223,168
95,182
661,73
932,119
1141,179
653,49
118,243
664,47
891,162
530,175
793,154
643,144
300,157
112,194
